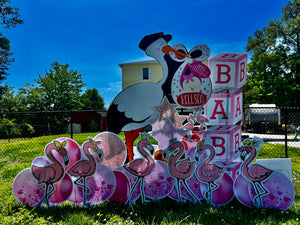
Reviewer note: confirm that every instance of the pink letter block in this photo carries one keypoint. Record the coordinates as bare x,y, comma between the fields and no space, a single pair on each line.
228,70
226,140
225,107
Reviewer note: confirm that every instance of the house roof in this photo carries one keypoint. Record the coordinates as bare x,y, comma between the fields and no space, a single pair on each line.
153,61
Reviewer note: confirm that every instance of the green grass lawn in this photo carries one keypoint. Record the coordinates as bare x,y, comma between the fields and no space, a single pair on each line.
18,155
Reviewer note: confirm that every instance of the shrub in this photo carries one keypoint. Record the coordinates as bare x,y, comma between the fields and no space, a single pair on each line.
9,129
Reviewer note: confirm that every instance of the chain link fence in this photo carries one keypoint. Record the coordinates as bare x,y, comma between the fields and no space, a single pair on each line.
30,132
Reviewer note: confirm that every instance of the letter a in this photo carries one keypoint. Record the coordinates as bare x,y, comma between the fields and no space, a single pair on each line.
222,111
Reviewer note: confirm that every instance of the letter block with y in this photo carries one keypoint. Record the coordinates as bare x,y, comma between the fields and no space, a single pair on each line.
226,140
228,70
225,107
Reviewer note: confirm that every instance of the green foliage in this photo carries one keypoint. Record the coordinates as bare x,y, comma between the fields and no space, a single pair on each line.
30,129
60,88
8,102
9,17
274,70
93,126
91,100
8,129
30,98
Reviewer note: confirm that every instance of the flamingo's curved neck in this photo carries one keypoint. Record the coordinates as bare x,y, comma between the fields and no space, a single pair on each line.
211,155
143,152
49,154
247,163
88,154
177,156
190,120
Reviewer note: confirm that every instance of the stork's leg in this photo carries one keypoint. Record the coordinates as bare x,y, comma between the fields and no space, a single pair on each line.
130,137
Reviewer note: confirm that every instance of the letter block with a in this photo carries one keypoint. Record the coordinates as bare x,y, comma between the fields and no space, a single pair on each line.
226,140
225,107
228,70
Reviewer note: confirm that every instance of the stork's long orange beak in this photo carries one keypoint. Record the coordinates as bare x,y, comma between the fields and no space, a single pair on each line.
167,49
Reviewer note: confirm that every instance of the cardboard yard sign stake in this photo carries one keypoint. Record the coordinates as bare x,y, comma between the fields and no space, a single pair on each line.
190,163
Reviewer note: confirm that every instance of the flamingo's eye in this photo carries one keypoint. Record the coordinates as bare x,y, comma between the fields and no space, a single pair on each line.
63,152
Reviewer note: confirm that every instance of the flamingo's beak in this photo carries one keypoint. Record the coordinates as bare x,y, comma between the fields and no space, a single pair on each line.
243,155
166,152
150,148
66,160
100,153
197,156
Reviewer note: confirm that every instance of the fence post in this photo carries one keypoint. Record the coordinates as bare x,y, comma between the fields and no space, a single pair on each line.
71,125
285,131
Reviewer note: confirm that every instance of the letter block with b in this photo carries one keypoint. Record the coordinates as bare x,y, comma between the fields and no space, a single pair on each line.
226,140
228,70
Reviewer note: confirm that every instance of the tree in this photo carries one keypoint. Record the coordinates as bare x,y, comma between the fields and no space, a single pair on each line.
9,17
91,100
60,88
30,98
274,70
8,101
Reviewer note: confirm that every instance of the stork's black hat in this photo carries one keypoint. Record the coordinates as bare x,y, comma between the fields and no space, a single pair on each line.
149,39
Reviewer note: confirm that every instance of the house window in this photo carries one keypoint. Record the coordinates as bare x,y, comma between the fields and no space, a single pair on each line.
145,73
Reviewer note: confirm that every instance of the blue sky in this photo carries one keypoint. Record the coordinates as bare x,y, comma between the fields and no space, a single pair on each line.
94,36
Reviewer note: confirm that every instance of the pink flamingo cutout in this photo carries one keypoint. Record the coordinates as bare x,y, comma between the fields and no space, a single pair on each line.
190,124
207,171
141,167
180,169
51,174
254,173
200,119
86,167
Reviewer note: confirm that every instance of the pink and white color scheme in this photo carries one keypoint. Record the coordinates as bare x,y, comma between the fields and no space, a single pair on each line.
191,85
225,107
191,162
226,140
228,70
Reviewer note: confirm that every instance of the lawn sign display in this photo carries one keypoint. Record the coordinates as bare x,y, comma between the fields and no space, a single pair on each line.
192,161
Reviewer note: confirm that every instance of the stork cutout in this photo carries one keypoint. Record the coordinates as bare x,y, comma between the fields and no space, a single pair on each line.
132,107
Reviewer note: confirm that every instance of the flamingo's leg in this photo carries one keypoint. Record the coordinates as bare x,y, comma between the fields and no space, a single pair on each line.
130,137
179,191
207,194
144,200
190,191
259,186
85,192
50,194
132,189
257,199
44,198
86,189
